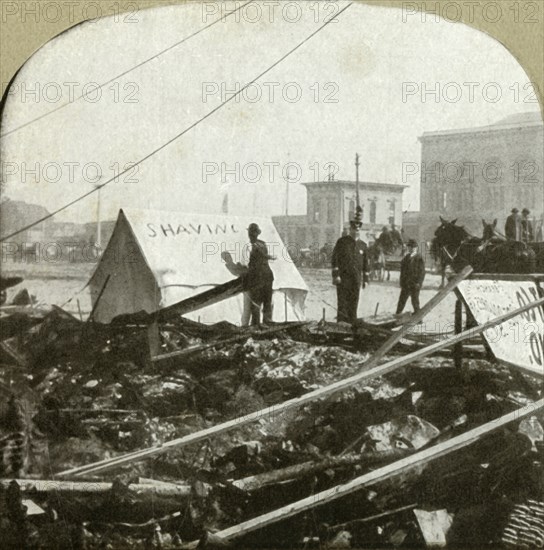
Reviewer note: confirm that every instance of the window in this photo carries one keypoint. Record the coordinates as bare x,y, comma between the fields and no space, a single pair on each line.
316,210
331,204
372,212
392,211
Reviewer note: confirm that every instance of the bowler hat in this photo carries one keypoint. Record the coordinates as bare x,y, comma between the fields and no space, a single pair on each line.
254,228
525,211
411,242
515,210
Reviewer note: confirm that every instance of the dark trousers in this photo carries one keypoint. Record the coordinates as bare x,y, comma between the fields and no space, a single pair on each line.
413,293
347,299
261,296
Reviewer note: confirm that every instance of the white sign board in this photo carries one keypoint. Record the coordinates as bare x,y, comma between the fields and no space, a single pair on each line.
520,340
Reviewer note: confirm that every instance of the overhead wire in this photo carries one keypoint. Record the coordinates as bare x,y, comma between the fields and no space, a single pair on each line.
177,136
124,73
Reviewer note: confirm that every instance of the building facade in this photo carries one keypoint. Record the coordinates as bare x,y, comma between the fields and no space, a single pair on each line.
482,173
330,207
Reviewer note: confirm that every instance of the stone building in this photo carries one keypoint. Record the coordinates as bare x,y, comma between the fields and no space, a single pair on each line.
330,206
16,215
481,172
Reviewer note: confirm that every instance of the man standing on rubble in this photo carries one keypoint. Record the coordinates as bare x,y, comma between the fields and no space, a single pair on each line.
412,273
259,278
349,271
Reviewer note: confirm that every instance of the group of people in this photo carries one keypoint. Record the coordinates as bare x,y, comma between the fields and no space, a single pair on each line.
519,228
350,273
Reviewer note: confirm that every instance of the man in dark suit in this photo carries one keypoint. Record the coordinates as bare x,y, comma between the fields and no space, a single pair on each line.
512,227
259,278
527,234
349,272
412,273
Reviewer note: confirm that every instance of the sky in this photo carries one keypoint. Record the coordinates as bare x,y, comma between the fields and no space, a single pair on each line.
363,84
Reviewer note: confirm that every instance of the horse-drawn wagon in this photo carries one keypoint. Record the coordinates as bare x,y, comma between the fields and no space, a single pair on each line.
453,246
385,254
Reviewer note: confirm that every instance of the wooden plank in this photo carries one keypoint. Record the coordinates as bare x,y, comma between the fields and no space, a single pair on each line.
47,486
431,304
370,519
199,301
274,411
376,476
458,348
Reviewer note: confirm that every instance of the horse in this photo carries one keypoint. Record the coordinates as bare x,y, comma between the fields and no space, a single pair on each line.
493,253
376,258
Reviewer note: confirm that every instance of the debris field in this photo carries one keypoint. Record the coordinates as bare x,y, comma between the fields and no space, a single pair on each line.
76,393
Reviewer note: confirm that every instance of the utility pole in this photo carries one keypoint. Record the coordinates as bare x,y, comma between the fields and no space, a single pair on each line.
98,223
357,201
287,178
358,208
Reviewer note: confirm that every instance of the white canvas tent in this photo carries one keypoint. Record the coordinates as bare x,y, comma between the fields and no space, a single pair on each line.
157,258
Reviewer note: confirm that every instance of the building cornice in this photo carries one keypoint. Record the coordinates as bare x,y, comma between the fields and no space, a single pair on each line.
478,131
343,184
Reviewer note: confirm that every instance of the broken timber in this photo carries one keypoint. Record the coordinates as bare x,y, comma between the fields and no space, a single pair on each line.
274,411
207,298
431,304
375,476
48,486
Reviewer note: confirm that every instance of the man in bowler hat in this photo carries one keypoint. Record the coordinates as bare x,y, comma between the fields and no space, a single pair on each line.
259,278
349,271
412,273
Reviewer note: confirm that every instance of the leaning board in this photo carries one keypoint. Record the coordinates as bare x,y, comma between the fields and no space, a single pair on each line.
519,341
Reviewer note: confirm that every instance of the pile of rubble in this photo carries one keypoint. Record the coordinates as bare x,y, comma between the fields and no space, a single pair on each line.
76,393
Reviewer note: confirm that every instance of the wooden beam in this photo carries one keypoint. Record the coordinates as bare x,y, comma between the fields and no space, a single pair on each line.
258,481
204,299
370,519
458,348
376,476
431,304
274,411
48,486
